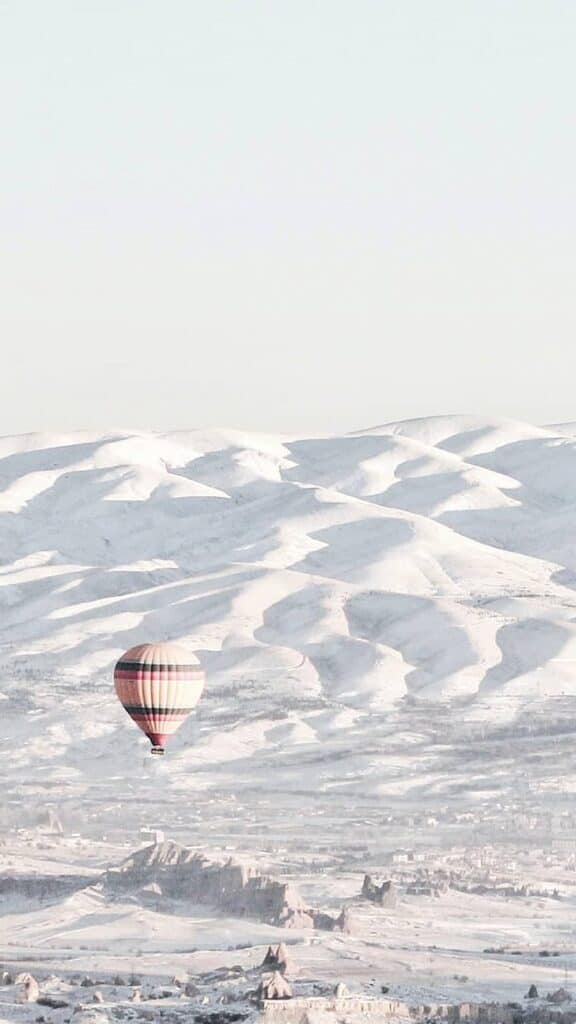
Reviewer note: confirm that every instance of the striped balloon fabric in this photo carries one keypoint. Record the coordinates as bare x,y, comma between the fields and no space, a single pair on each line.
158,685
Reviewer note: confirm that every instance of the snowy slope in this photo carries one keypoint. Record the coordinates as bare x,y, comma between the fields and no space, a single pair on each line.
332,587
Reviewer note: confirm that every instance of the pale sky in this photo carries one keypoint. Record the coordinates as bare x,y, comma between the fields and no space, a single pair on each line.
286,215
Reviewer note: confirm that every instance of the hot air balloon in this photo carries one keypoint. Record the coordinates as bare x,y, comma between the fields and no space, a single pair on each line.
158,685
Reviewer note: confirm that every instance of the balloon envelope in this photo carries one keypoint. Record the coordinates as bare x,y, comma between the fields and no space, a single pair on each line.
158,685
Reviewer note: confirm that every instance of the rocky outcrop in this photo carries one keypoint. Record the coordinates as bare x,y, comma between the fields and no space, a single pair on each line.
293,1011
384,894
351,1008
276,959
344,922
559,996
27,988
274,987
50,822
43,887
177,872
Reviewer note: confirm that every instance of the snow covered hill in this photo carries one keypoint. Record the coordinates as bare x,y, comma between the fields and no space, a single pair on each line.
358,602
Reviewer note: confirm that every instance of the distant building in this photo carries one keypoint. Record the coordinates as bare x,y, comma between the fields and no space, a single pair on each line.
400,857
154,834
568,844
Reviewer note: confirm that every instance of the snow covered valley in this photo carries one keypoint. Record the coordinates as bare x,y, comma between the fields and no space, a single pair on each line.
387,622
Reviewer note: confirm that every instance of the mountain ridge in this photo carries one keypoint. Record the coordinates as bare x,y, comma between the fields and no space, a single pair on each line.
336,581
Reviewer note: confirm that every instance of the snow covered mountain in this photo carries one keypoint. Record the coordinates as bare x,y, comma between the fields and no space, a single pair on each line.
358,602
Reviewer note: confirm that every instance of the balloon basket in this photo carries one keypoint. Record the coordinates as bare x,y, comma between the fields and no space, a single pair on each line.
157,751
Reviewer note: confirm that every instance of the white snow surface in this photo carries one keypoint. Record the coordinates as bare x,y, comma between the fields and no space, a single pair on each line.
335,581
387,621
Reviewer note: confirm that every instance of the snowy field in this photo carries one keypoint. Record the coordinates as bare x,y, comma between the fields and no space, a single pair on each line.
387,621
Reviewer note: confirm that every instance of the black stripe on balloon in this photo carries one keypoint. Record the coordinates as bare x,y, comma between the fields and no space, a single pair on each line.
141,666
136,709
